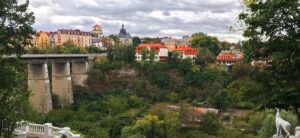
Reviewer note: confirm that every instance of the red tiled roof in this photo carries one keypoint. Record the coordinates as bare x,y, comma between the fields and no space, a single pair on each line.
156,46
188,50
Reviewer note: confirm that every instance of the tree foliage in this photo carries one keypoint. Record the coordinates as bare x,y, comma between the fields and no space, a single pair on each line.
204,57
200,40
272,32
15,34
221,100
15,27
210,123
136,41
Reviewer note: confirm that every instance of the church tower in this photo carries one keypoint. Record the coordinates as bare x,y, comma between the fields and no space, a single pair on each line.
97,30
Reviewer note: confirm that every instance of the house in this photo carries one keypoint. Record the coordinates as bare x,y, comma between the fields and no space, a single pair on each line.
161,51
229,57
186,52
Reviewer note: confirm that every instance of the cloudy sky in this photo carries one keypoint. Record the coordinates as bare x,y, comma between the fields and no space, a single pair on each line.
142,18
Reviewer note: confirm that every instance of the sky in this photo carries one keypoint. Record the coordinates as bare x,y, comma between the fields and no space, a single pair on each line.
143,18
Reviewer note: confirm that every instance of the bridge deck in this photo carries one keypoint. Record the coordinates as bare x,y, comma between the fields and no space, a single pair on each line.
56,58
57,55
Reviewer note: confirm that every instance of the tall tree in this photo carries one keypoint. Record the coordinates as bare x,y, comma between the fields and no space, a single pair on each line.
200,40
149,40
136,41
15,34
204,57
272,29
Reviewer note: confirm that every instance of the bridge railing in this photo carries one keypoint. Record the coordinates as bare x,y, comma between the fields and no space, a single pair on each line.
45,130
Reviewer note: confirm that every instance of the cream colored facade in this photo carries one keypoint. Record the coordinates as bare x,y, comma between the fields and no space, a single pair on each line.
79,38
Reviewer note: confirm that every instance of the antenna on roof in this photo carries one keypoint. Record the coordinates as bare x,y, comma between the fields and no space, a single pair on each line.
122,21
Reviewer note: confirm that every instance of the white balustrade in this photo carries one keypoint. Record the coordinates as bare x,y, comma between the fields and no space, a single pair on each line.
45,130
55,130
18,126
36,128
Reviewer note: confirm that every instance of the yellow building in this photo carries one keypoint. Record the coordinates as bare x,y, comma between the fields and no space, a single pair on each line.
41,40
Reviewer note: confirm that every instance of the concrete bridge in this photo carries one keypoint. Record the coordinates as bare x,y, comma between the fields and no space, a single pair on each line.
67,70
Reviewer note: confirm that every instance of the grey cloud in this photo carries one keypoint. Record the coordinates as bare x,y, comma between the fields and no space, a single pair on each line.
139,16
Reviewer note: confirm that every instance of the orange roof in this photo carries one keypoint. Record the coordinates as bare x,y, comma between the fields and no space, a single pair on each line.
226,56
156,46
200,110
188,50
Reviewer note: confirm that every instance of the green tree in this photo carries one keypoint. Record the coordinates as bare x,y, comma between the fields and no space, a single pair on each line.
115,38
15,27
128,54
136,41
16,32
148,127
210,123
161,79
272,32
221,100
152,55
151,40
204,57
94,49
110,54
117,124
185,66
240,93
144,53
200,40
115,104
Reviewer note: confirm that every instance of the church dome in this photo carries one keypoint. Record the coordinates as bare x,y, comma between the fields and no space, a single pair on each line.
123,31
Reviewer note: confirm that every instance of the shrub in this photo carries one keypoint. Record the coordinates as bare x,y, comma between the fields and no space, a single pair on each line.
221,100
184,66
268,127
210,123
198,134
161,79
174,97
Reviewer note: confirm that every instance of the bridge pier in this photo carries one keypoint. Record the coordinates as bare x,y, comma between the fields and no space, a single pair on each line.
39,85
61,83
79,73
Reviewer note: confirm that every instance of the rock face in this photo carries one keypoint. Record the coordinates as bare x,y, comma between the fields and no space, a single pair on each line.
297,132
123,72
276,136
